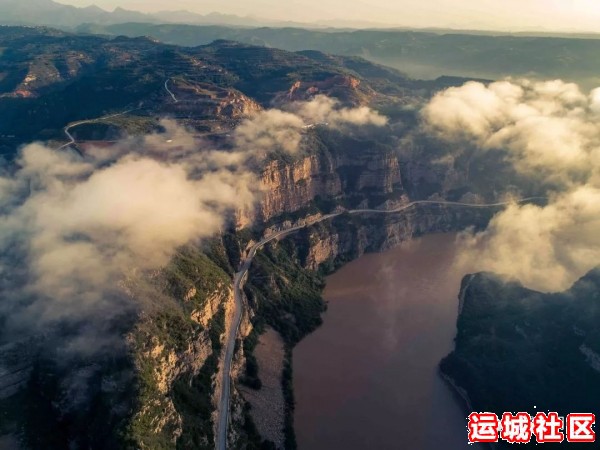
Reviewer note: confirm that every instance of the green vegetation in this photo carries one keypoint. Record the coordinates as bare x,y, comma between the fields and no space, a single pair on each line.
250,377
192,395
134,124
287,383
192,269
287,297
170,326
234,244
110,76
284,294
216,250
98,76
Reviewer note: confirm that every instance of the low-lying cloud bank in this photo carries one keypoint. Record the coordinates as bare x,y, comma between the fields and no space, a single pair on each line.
550,131
72,226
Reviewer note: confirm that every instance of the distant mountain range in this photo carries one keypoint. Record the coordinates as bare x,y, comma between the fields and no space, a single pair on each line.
51,13
67,17
48,12
419,54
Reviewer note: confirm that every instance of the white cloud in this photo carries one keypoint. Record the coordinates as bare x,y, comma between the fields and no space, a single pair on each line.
78,225
550,131
546,248
84,226
323,109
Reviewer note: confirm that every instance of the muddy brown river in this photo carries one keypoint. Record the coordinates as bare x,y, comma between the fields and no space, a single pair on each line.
367,379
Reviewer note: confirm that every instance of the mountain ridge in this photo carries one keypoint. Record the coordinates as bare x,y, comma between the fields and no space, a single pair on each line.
51,13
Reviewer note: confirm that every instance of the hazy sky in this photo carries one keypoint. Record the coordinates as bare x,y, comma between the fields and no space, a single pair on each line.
583,15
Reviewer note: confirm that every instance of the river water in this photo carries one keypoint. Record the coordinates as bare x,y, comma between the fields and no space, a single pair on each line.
367,379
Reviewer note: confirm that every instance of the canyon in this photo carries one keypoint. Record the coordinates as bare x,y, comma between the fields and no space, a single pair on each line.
179,349
326,246
161,388
188,230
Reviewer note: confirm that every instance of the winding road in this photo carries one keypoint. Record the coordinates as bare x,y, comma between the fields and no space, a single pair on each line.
241,276
170,92
68,128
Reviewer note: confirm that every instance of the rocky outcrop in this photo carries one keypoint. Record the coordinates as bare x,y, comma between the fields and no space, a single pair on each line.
235,106
212,305
203,100
162,364
290,187
344,86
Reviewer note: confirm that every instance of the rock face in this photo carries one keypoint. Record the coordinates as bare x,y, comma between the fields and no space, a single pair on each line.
341,86
291,187
344,173
178,347
204,100
176,344
349,237
324,176
165,365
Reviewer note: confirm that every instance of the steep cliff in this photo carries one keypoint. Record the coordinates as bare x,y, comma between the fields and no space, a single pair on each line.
158,392
205,101
348,237
332,170
177,350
